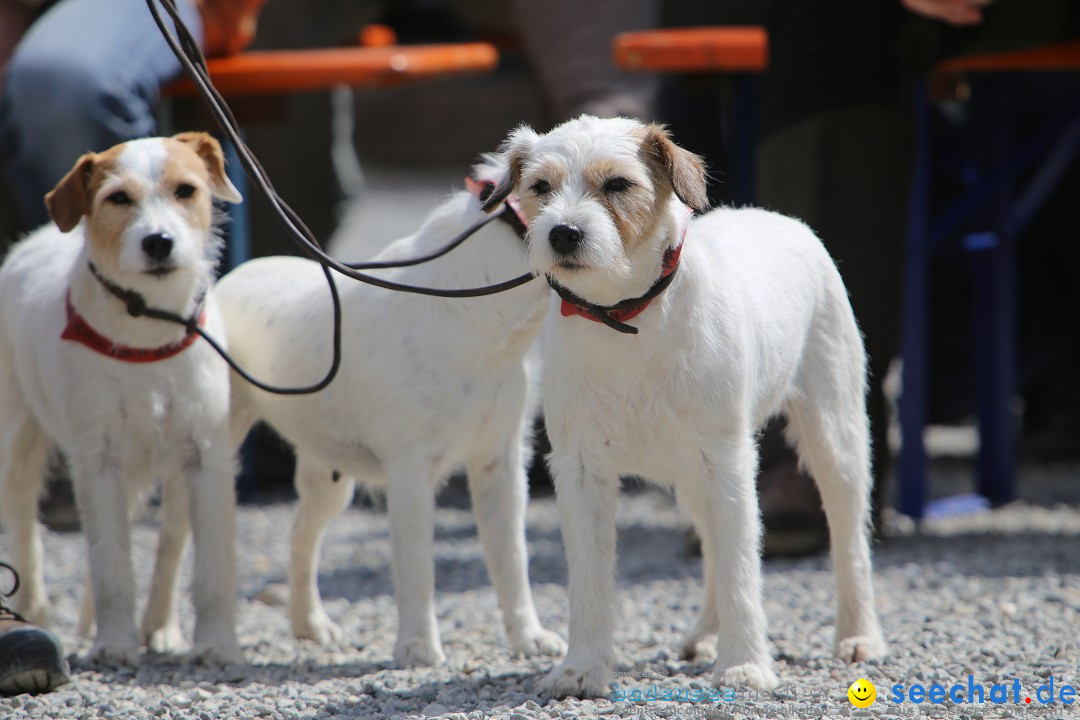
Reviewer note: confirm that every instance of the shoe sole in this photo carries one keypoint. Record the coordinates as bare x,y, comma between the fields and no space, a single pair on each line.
34,661
34,681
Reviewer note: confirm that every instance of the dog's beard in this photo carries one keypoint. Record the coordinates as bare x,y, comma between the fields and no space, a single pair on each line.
600,253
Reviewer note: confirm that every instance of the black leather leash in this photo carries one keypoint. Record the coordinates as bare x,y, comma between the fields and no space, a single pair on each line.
191,58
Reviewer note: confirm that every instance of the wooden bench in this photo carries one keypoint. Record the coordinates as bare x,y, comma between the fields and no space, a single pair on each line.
290,71
1061,56
378,62
694,50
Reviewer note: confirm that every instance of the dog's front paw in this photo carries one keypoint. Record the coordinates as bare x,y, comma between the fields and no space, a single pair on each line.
538,642
418,652
757,676
226,652
858,648
167,639
114,653
318,627
582,680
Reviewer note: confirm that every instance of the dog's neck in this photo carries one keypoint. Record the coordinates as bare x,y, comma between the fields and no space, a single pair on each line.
108,314
493,253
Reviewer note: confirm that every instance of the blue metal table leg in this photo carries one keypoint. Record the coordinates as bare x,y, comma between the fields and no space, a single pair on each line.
745,137
995,363
913,400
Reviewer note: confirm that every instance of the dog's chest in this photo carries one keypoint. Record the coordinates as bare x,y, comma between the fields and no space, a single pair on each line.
629,409
138,418
152,426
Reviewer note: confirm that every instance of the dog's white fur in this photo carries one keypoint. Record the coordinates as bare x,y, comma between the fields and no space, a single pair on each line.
756,322
122,425
427,386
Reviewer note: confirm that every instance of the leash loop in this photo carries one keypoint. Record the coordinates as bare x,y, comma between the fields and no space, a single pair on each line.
14,580
136,304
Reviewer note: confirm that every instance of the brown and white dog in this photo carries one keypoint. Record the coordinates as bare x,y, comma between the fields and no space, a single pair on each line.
127,399
677,373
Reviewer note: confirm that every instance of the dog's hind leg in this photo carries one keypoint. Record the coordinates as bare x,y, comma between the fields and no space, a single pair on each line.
722,486
499,495
410,499
24,452
323,495
827,422
700,641
161,619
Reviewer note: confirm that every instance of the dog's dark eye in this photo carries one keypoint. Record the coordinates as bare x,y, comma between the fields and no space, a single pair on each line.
541,187
617,185
184,191
119,198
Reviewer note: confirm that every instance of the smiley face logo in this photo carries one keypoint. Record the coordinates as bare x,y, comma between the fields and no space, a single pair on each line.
862,693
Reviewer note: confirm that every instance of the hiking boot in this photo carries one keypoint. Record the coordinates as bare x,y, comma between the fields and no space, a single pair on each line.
31,658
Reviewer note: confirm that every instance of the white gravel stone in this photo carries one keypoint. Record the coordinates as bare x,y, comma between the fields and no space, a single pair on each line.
995,595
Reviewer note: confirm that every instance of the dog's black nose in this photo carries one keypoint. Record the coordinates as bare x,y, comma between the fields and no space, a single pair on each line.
564,239
157,246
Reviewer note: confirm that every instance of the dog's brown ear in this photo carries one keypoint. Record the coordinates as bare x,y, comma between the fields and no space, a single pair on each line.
70,199
515,149
683,169
209,150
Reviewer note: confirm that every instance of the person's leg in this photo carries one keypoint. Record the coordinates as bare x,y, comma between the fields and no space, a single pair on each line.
834,152
845,173
569,43
86,76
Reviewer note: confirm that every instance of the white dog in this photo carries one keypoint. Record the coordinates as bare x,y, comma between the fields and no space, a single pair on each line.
127,399
754,322
426,386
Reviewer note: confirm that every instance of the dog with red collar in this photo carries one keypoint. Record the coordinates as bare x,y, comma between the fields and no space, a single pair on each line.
670,342
127,399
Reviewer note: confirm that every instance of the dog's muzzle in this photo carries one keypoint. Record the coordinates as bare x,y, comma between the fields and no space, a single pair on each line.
565,239
157,246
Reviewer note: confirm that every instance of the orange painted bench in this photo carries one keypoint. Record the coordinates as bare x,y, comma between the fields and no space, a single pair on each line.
378,62
720,49
1060,56
291,71
741,52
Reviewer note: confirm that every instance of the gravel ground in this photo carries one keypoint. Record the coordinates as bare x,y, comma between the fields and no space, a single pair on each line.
994,595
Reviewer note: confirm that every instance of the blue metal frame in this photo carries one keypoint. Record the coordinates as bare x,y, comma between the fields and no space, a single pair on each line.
992,196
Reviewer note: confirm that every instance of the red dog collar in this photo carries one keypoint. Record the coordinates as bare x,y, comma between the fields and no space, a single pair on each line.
80,331
615,316
625,309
